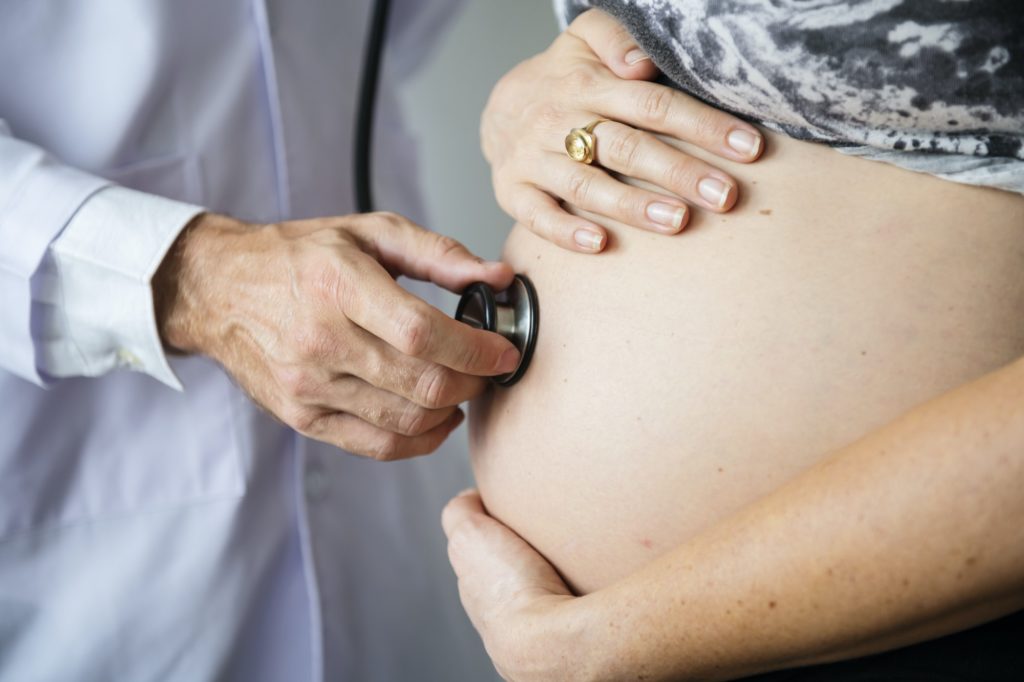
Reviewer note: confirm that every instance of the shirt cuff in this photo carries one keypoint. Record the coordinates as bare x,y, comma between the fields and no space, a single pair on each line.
97,278
43,197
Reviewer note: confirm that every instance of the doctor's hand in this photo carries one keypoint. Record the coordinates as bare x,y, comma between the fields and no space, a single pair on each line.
594,71
308,318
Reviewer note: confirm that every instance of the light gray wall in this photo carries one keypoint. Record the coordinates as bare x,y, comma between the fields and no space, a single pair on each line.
443,105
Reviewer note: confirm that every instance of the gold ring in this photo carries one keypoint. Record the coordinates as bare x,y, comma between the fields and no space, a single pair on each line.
581,143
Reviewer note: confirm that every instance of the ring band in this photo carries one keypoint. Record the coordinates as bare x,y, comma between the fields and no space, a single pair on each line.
581,143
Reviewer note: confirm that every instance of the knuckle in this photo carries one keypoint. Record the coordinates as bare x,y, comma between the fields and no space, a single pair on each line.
466,533
655,105
343,286
506,91
706,124
414,333
373,414
458,541
316,342
529,213
371,363
500,183
680,175
385,447
383,223
425,445
578,187
548,115
297,383
413,420
620,35
324,282
590,18
389,218
630,204
434,388
503,89
444,245
472,356
301,418
624,150
457,545
581,77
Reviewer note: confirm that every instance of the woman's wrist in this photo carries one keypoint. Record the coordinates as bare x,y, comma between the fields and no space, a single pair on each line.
572,639
609,648
595,638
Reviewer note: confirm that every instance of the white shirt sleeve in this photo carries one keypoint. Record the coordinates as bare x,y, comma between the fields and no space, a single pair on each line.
93,288
37,198
76,259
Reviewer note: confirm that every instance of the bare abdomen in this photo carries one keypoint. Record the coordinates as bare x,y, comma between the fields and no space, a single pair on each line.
677,379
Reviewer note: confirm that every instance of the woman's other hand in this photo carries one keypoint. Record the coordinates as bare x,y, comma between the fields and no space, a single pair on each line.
595,70
516,600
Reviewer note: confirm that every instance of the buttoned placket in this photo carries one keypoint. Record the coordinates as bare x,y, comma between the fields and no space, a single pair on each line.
299,454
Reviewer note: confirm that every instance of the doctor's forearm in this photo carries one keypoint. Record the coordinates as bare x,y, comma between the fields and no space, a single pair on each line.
911,533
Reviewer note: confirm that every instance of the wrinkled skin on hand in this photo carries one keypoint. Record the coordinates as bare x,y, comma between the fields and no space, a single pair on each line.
307,317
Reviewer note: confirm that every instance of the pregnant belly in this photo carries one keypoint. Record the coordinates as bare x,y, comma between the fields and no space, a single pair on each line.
677,379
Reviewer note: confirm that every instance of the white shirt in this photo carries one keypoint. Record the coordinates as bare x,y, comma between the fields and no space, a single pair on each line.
151,533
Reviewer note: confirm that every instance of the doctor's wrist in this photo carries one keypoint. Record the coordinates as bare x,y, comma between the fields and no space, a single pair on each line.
185,286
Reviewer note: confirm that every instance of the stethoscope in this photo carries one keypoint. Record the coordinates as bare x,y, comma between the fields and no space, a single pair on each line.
514,312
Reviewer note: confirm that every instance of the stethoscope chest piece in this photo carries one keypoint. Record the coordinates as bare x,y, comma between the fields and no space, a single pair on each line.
513,313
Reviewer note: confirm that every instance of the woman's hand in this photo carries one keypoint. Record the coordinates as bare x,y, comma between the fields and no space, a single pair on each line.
595,70
514,597
869,532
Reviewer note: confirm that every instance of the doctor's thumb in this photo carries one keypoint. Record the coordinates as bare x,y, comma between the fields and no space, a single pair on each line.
406,248
613,45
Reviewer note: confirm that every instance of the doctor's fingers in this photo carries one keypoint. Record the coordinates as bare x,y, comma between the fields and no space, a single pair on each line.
404,247
381,408
421,382
358,436
376,303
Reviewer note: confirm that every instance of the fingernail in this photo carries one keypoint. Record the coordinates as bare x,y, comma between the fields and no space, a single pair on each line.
666,215
589,240
508,361
635,56
714,191
744,142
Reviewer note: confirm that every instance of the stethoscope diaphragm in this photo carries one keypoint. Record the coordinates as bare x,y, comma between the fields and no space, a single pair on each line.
513,313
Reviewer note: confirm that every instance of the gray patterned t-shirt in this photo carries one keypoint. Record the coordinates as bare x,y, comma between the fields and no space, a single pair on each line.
935,86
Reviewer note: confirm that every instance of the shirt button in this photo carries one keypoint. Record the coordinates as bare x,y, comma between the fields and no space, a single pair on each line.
316,484
128,359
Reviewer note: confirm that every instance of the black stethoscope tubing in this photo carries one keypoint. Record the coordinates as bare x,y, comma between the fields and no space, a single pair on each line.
521,298
363,145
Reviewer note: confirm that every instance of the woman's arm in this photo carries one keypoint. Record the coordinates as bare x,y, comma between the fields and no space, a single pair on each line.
910,533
